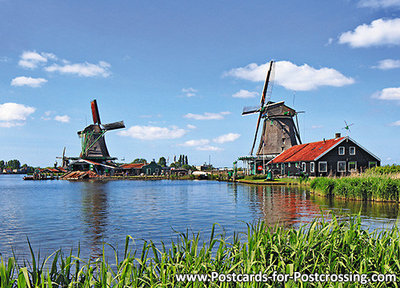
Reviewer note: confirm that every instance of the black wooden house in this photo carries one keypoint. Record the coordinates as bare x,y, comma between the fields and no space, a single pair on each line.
335,157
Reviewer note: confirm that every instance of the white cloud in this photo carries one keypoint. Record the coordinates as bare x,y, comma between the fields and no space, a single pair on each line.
62,118
397,123
153,132
244,94
208,148
207,116
82,69
28,81
379,3
316,126
230,137
388,64
13,114
189,92
193,143
379,32
388,94
31,59
293,77
190,126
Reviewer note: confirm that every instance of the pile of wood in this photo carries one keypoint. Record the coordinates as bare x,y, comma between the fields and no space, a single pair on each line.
80,175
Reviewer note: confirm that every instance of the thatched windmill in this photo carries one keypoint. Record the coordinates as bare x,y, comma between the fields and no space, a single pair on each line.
279,131
92,137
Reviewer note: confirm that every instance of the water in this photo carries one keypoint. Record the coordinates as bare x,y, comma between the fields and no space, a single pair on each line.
62,214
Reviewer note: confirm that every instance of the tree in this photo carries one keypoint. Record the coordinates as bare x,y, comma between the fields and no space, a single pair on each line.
162,161
139,160
13,164
2,164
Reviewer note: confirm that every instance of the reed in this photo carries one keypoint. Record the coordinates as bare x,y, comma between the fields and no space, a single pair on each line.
365,187
320,247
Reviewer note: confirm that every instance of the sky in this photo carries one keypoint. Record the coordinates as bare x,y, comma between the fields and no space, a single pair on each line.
180,72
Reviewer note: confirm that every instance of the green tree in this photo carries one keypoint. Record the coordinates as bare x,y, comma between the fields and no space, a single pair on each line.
139,160
162,161
13,164
2,165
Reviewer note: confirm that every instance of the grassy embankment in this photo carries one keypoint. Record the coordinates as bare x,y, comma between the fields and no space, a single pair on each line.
376,184
322,247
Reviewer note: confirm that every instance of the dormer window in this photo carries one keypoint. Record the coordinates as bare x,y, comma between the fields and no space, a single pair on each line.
352,150
341,150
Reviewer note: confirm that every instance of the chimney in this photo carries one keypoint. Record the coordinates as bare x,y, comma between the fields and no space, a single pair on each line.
337,135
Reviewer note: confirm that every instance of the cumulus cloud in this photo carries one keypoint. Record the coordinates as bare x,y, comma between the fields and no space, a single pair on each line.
388,64
208,148
397,123
379,3
190,126
244,94
82,69
193,143
291,76
28,81
62,118
230,137
189,92
379,32
13,114
388,94
207,116
31,59
153,132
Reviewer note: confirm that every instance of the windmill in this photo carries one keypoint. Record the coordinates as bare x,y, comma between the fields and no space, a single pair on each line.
347,126
92,137
65,160
279,130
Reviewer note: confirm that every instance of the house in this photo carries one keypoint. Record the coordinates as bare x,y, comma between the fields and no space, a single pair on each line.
152,168
337,157
133,169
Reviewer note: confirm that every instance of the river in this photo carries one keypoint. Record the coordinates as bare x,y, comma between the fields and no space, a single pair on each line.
62,214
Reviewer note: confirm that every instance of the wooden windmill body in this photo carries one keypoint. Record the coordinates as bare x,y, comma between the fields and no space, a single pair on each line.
279,130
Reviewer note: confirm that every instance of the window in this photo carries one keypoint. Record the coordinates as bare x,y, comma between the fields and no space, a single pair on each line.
303,167
296,165
323,166
372,164
352,166
341,166
312,167
341,150
352,150
288,165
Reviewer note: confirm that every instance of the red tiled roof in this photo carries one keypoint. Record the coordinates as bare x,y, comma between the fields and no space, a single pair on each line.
133,165
306,152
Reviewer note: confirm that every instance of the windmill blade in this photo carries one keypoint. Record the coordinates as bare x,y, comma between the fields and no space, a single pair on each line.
113,126
250,110
95,112
264,93
64,152
255,135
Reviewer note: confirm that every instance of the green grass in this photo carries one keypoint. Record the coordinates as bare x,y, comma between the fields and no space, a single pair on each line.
364,187
384,170
321,247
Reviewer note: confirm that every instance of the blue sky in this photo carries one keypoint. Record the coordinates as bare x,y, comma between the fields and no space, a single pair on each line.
180,72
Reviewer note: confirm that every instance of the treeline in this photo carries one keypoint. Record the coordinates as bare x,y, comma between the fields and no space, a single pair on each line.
181,162
12,164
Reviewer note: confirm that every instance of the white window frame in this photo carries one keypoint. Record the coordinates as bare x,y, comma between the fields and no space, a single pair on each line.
341,162
319,166
369,164
342,148
312,167
304,167
354,150
352,170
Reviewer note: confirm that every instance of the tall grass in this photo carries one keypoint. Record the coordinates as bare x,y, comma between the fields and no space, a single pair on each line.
321,247
383,170
360,187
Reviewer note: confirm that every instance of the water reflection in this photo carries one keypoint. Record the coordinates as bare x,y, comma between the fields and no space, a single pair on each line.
95,213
